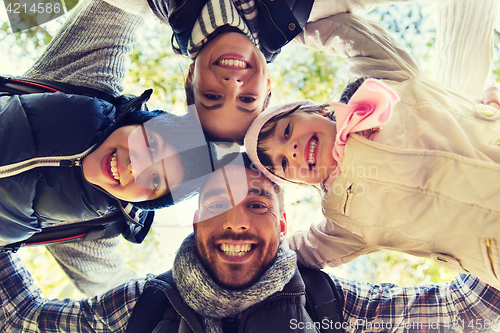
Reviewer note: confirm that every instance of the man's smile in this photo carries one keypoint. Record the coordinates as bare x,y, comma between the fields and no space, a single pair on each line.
235,251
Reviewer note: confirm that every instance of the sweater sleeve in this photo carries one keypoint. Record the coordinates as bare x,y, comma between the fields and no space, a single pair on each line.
464,44
369,49
24,310
91,48
93,266
327,244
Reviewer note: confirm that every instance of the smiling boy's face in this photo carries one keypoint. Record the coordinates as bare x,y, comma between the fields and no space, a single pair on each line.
231,83
133,165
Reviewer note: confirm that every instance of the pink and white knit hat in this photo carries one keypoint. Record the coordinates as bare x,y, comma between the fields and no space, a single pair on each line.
252,134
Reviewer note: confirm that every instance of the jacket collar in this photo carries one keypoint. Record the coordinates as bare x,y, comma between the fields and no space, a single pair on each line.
295,288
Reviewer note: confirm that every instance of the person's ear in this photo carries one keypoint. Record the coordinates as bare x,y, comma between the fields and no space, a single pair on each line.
283,227
325,112
268,81
189,78
195,221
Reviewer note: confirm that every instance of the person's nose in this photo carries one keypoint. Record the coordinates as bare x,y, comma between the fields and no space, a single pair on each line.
292,150
232,81
237,219
139,161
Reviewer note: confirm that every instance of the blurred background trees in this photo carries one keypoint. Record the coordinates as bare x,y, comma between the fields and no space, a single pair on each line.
297,73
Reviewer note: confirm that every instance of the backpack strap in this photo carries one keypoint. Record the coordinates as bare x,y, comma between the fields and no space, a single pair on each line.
322,300
108,226
19,86
150,307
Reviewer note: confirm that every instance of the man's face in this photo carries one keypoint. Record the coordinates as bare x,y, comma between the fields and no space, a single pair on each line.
237,243
231,82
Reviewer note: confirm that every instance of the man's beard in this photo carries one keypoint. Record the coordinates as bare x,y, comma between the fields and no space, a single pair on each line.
258,268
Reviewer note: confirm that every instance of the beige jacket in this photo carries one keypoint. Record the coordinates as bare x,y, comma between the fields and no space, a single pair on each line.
427,183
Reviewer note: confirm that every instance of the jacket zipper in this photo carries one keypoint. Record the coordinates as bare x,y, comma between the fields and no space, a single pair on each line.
349,192
489,248
269,14
62,161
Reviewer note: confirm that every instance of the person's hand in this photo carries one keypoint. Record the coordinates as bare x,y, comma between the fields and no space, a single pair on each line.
491,97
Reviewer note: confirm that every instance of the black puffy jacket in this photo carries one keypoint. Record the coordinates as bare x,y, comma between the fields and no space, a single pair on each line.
55,125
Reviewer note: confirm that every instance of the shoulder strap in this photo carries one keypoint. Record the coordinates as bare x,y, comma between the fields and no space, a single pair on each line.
150,307
19,86
108,226
322,300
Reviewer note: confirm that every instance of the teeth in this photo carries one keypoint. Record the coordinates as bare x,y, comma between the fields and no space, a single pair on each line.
114,169
312,148
235,251
233,63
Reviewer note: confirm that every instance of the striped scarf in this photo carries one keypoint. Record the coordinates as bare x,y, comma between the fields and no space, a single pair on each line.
241,14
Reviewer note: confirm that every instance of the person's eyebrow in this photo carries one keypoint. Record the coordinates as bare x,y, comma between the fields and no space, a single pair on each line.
246,110
213,193
261,193
218,106
275,160
213,107
165,173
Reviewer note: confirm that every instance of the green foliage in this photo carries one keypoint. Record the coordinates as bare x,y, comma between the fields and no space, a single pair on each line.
496,63
413,25
70,4
154,64
48,276
301,73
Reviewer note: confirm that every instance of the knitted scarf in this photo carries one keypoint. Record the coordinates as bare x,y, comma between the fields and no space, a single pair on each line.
213,302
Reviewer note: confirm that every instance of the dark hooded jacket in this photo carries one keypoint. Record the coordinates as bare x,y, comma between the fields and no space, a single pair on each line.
57,126
285,311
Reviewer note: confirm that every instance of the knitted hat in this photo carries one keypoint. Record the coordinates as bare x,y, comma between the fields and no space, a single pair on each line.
253,132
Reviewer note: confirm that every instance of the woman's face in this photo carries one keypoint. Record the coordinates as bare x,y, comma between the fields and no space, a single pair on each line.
134,165
231,83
